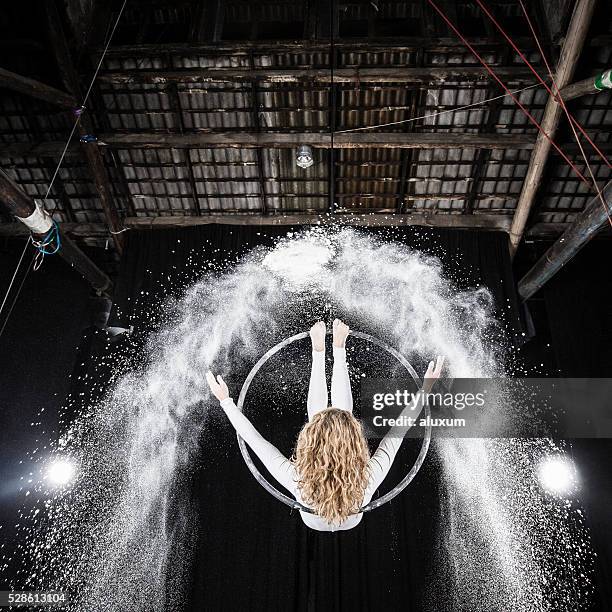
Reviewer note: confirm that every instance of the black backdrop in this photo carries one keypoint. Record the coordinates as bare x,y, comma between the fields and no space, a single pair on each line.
578,309
38,352
251,553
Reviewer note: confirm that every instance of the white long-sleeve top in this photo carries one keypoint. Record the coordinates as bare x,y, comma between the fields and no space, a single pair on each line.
283,470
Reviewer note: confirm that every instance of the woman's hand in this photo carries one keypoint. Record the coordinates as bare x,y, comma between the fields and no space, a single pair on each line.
218,387
433,373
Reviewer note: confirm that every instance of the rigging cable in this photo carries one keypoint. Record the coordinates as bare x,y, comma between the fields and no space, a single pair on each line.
332,119
8,314
570,118
8,291
503,85
79,111
557,96
54,233
438,113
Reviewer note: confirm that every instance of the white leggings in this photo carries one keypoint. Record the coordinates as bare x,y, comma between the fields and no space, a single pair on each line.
341,396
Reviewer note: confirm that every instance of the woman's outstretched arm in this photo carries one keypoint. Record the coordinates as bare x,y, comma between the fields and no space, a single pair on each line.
275,462
382,460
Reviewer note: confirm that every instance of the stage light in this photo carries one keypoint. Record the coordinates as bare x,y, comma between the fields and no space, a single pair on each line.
61,472
557,475
303,157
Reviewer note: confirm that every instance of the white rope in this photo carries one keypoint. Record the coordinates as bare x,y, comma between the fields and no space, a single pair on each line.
450,110
8,314
82,107
59,164
61,159
561,102
8,291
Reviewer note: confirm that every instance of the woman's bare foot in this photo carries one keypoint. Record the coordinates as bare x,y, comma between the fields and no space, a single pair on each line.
341,331
317,335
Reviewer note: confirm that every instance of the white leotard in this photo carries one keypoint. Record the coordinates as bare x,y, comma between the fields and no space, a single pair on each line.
284,471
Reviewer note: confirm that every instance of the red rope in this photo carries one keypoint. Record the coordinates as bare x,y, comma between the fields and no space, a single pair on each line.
517,102
557,95
552,78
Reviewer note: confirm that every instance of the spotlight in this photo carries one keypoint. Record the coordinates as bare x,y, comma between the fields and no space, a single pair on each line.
558,475
303,157
61,472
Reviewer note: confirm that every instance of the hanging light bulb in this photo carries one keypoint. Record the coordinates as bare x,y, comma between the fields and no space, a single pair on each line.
303,157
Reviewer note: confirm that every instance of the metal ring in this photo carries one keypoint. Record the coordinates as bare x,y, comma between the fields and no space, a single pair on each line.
292,503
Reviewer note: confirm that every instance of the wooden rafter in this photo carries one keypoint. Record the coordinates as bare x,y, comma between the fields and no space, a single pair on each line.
474,222
580,88
35,89
319,140
52,149
322,140
21,205
381,74
586,225
321,45
488,222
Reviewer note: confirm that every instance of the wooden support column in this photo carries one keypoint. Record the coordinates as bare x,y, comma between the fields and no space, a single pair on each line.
570,53
92,153
21,205
586,225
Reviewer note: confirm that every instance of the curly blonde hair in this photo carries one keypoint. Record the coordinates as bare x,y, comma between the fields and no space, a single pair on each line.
331,457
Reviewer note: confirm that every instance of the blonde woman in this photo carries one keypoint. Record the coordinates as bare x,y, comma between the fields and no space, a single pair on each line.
331,471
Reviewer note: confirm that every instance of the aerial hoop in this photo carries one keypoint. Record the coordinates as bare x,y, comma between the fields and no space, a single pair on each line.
375,503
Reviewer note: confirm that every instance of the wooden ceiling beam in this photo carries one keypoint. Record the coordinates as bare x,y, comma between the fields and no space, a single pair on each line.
382,74
53,149
316,140
22,206
483,222
475,222
592,85
35,89
585,226
321,45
